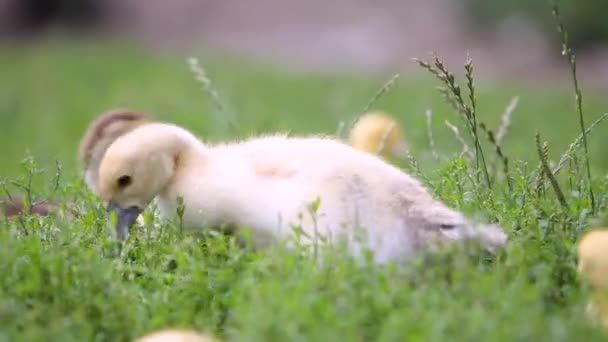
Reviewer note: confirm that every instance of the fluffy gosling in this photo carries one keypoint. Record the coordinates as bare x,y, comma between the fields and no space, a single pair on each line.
174,335
102,132
378,133
268,183
592,250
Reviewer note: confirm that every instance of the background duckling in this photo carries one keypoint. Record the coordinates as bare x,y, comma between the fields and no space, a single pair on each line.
378,133
268,184
592,251
14,207
100,133
175,335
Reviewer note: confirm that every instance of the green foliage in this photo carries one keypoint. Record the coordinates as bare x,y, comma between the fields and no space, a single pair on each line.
65,281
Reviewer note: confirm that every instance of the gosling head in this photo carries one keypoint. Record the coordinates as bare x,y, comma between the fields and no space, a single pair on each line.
102,132
136,168
592,250
440,225
378,133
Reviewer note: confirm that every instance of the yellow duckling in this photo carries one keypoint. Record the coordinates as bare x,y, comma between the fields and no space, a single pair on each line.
102,132
378,133
175,335
592,251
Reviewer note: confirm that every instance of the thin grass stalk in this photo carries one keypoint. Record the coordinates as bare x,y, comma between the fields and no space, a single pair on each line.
543,154
386,87
570,151
567,51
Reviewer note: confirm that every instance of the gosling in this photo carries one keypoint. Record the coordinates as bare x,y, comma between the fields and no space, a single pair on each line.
592,251
378,133
175,335
268,184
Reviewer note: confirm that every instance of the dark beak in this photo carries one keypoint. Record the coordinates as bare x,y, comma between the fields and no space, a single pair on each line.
125,218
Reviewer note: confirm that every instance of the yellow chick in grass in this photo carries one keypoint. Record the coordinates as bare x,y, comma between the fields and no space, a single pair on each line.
592,250
174,335
378,133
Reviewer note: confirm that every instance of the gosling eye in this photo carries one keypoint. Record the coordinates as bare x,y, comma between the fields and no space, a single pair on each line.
447,226
124,181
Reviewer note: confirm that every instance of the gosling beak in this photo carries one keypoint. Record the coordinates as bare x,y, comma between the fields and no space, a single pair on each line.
125,218
400,149
494,237
581,267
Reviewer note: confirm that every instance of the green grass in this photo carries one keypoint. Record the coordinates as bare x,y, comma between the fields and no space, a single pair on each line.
64,281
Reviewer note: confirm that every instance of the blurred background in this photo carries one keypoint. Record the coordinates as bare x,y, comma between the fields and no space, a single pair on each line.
354,34
276,61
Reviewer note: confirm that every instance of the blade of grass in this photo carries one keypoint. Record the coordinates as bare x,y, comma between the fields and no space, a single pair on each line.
567,51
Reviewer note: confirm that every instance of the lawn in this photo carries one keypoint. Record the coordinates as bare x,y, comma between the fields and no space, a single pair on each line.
63,280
